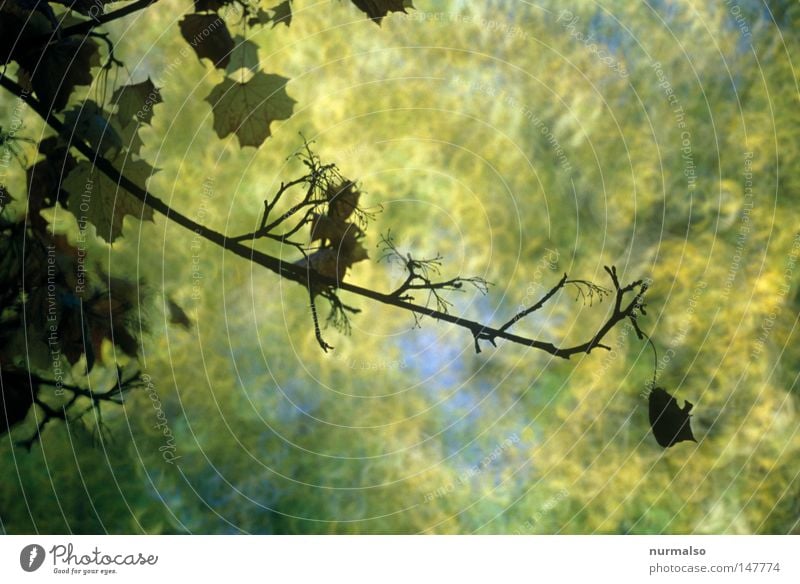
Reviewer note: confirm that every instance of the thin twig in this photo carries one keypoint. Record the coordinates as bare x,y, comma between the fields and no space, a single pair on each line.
523,313
86,26
307,277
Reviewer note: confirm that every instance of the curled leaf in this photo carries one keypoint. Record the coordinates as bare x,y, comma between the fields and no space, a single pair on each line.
670,423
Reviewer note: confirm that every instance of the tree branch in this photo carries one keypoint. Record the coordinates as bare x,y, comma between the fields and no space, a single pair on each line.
309,278
88,25
523,313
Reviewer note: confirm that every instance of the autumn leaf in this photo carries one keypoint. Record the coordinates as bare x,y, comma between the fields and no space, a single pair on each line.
670,423
324,228
377,9
209,37
342,201
333,262
102,201
247,109
112,312
135,102
341,248
5,197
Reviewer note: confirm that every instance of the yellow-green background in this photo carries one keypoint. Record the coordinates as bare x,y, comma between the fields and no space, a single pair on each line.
380,435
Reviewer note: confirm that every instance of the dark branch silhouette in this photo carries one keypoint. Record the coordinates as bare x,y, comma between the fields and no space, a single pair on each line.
313,280
94,21
16,382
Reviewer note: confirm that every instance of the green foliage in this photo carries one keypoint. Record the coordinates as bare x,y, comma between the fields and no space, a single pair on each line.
491,135
247,109
102,201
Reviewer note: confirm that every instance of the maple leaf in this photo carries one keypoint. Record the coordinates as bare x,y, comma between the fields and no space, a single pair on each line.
261,16
59,68
111,313
247,109
88,122
278,14
377,9
136,101
342,250
282,14
102,201
244,56
209,37
128,134
342,200
333,262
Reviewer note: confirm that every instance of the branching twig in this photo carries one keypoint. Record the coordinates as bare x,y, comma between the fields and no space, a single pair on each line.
419,276
113,395
630,311
588,291
319,179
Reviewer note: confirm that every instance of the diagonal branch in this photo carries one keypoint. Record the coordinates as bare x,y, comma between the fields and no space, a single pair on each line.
523,313
309,278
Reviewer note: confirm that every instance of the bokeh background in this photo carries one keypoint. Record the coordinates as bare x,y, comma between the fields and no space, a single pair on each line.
520,142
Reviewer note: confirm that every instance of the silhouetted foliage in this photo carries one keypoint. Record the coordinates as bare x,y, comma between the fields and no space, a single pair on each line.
66,309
